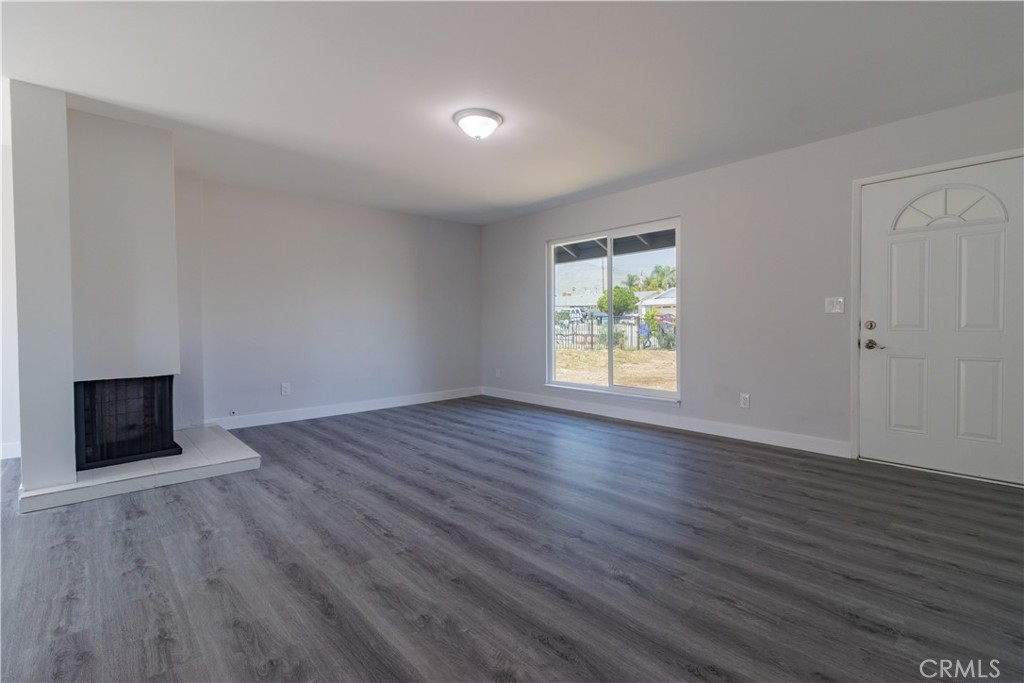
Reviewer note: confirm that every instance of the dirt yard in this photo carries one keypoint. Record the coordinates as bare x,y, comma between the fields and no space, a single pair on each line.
647,368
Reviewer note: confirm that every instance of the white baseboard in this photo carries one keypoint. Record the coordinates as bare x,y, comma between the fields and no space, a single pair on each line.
801,442
257,419
10,449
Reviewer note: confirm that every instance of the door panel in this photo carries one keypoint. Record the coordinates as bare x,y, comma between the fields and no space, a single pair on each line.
908,284
980,281
942,382
979,395
908,393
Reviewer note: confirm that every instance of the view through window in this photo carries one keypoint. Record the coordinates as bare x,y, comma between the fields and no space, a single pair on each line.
633,327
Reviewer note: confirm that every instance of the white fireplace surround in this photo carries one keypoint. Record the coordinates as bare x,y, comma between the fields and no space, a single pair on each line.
124,262
96,243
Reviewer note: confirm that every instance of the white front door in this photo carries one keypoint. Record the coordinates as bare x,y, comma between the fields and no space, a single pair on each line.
942,302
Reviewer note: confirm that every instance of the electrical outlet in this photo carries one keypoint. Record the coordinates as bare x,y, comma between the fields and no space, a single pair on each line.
744,400
286,388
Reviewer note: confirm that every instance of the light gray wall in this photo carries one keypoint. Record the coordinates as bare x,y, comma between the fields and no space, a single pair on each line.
188,386
10,413
348,304
123,249
43,244
764,241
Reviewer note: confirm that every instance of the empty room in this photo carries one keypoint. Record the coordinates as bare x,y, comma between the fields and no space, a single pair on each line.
512,341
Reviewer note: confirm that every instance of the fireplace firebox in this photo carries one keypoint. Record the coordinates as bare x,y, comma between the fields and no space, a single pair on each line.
123,420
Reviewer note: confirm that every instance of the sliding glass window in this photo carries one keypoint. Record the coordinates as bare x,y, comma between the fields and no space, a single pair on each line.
613,307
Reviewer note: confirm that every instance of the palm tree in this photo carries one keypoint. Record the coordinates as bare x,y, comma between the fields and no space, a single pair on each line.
631,282
661,278
668,276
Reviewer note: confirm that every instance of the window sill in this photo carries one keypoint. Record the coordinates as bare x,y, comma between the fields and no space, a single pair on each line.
674,400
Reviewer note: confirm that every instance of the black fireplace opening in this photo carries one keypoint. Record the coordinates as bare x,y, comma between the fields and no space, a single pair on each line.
122,420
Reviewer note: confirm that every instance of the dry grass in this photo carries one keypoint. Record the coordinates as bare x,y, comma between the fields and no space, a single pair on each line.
647,368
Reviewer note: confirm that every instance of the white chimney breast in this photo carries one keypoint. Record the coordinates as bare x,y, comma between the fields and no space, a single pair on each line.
124,271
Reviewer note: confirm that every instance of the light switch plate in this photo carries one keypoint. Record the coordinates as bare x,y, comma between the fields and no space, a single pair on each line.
835,304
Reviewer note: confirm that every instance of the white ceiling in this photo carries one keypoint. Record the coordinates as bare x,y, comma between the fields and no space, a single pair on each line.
353,101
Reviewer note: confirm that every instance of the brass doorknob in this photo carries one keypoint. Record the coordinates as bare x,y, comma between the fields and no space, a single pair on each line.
872,344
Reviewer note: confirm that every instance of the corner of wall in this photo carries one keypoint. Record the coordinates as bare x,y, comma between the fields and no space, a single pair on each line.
40,194
189,409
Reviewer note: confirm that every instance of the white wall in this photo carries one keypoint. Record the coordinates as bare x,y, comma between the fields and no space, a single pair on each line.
123,249
348,304
39,160
188,386
764,241
10,411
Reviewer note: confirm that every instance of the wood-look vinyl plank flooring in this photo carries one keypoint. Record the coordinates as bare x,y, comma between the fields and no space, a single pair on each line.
486,540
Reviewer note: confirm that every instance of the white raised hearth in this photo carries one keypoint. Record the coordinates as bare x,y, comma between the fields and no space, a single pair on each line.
206,452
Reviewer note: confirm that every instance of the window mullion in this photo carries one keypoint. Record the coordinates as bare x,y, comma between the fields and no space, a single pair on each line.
611,313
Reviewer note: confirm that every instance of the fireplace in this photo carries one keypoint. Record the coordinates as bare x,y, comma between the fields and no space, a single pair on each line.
122,420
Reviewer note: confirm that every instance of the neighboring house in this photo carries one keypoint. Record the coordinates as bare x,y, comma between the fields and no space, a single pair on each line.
586,299
665,302
580,298
646,294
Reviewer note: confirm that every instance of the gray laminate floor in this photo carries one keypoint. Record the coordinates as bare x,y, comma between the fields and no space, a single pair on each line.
478,539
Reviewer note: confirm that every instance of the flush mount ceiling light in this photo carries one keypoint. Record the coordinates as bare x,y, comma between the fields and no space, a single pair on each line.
478,123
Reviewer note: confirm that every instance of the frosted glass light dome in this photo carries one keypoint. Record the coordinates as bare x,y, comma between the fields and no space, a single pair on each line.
478,123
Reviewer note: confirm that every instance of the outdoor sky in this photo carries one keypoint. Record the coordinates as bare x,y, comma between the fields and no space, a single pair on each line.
586,275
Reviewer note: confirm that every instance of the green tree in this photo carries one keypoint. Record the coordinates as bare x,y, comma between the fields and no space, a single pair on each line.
651,319
668,276
624,301
631,282
661,278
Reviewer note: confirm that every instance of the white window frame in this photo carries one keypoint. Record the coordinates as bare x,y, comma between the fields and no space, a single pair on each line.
611,235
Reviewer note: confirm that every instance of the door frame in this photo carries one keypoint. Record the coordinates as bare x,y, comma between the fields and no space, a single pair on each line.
855,265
